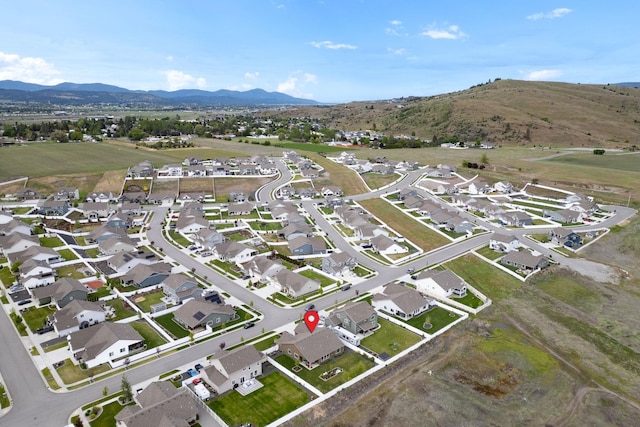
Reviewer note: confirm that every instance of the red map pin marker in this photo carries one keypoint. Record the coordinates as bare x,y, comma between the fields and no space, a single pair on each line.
311,319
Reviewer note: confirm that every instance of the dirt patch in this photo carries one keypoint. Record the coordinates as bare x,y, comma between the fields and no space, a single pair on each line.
111,181
223,186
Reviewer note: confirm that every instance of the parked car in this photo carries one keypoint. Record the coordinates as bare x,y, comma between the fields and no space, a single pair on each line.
345,287
198,367
192,372
24,302
196,381
309,307
44,330
249,325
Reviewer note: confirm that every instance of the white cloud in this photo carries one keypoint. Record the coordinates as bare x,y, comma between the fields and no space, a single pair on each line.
555,13
28,69
179,80
396,28
540,74
251,76
297,84
170,58
400,51
331,45
452,32
395,22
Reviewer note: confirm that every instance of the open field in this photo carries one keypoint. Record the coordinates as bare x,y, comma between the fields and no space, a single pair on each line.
335,174
223,186
624,162
423,237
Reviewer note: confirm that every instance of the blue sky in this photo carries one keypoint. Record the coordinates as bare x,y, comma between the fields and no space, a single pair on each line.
329,50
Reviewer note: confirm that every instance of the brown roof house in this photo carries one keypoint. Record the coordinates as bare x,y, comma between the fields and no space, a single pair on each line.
161,404
230,369
104,343
61,292
209,310
401,301
310,349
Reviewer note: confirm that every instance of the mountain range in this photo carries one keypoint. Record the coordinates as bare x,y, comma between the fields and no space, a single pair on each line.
99,93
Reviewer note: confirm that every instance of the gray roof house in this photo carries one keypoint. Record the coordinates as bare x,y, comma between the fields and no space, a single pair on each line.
262,268
61,292
500,242
307,246
338,264
232,251
76,315
143,275
231,369
294,285
355,317
565,216
179,287
114,245
524,260
295,230
441,283
401,301
95,210
52,207
242,208
310,349
161,404
15,226
565,237
104,343
204,311
208,238
35,252
125,261
17,242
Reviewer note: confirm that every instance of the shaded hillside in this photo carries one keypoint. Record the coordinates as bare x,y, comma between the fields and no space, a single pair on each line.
509,112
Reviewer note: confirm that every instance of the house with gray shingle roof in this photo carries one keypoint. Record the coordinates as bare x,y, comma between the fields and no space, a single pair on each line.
501,242
17,242
441,284
179,287
355,317
310,348
202,311
303,245
143,275
61,292
104,343
338,264
401,301
387,246
230,369
76,315
232,251
524,261
294,285
262,268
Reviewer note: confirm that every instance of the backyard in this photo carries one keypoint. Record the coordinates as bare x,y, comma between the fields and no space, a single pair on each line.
35,317
121,312
145,301
276,398
151,338
489,280
437,317
169,325
352,364
389,338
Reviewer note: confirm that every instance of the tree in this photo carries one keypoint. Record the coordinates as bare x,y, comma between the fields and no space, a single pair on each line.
136,134
484,159
125,386
60,136
105,391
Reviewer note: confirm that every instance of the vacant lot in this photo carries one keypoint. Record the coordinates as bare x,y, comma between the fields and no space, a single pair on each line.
335,174
623,162
413,230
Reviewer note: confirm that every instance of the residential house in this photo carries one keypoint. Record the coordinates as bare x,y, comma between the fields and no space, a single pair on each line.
295,230
125,261
294,285
103,233
61,292
383,169
143,169
171,170
238,197
36,273
15,226
242,208
504,187
208,238
133,196
100,197
478,187
204,311
306,192
565,237
104,343
5,216
261,268
331,190
178,288
387,246
27,194
500,242
310,349
524,261
407,192
309,173
355,317
192,161
196,171
93,211
564,216
413,202
235,252
307,246
429,208
114,245
441,284
338,264
458,224
191,196
191,221
17,242
162,198
76,315
52,207
119,220
516,218
160,404
367,231
143,275
67,194
401,301
230,369
36,253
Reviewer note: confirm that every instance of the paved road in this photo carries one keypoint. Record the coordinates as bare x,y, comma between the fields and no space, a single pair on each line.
34,405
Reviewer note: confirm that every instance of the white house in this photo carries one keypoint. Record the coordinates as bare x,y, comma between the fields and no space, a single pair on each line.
234,252
76,315
401,301
104,343
231,369
500,242
441,284
387,246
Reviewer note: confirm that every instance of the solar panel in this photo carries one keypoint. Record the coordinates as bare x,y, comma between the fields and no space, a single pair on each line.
199,315
214,297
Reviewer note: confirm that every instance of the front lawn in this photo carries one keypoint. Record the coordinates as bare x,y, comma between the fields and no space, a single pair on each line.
437,317
389,338
151,337
169,325
489,280
276,398
71,373
109,411
70,271
6,276
179,238
4,398
352,364
489,253
35,317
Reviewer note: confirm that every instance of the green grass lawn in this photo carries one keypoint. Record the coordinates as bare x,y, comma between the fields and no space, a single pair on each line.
265,226
376,180
7,276
71,373
70,271
35,317
470,300
50,242
314,275
489,253
109,411
226,267
352,365
390,338
120,311
149,300
93,252
422,236
67,254
179,238
151,337
490,280
266,343
4,398
276,398
167,322
438,317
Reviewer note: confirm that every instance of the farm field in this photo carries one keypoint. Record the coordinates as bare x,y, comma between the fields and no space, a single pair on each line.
623,162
